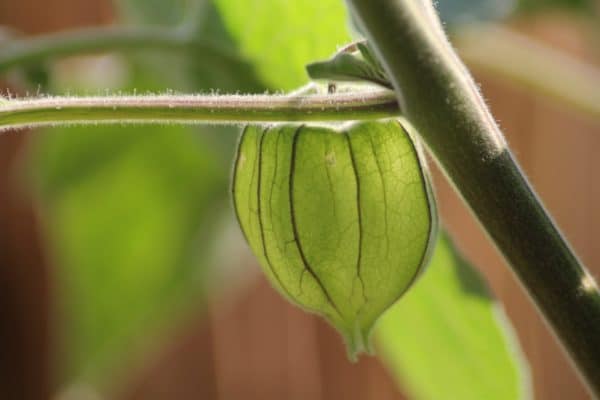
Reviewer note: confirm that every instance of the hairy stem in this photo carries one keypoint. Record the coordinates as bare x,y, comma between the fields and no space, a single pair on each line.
494,49
372,104
439,97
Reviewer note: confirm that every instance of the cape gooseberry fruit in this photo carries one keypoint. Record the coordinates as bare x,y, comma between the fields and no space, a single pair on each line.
341,219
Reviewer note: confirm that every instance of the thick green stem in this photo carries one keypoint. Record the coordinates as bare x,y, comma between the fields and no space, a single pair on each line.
197,109
439,97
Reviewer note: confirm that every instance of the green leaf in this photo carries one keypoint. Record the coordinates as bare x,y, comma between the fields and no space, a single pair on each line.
125,211
341,220
449,339
234,73
219,67
130,216
280,37
360,65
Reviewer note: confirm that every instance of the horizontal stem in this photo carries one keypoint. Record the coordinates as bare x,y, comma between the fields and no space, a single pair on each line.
368,104
488,48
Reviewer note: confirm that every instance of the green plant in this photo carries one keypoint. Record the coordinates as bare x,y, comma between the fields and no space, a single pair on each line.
316,206
410,53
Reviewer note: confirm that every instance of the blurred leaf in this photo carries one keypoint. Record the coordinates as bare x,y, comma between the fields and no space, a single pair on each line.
131,215
448,339
125,209
280,37
217,74
456,12
37,75
195,69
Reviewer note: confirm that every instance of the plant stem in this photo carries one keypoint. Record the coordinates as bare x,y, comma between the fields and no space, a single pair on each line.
441,100
90,40
368,104
563,78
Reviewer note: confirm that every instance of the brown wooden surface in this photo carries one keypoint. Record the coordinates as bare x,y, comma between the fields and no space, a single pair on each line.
25,305
260,347
28,352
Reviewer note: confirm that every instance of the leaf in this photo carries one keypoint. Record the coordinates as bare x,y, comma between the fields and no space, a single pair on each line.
340,219
350,66
369,55
233,73
125,208
212,62
279,37
130,215
449,339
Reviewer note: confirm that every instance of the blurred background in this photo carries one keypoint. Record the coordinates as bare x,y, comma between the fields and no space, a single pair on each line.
122,273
